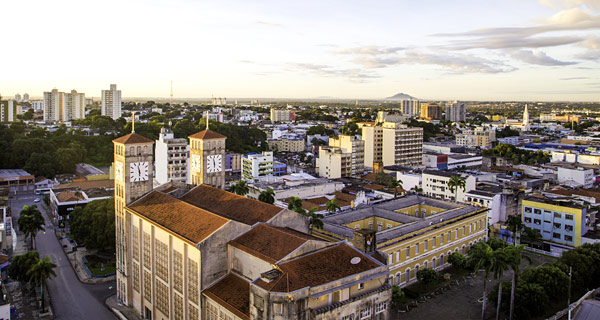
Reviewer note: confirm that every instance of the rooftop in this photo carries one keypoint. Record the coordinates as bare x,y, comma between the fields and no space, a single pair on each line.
85,185
319,268
207,134
68,195
11,173
186,220
233,293
132,138
230,205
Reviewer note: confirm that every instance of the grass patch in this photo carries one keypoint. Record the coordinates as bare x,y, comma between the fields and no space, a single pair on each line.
96,263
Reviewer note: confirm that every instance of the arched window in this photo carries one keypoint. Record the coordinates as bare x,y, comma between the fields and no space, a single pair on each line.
425,265
407,277
433,261
398,278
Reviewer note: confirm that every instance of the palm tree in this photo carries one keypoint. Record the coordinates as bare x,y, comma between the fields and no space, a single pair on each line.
295,203
267,196
40,272
482,256
315,219
241,188
455,183
394,184
499,267
30,222
417,189
514,224
514,256
332,206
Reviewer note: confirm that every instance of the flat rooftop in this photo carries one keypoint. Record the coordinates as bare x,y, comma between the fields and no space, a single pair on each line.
11,173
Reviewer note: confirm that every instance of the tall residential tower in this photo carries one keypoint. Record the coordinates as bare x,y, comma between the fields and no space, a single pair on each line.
111,102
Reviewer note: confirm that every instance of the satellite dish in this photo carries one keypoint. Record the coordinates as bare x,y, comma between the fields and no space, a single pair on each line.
355,260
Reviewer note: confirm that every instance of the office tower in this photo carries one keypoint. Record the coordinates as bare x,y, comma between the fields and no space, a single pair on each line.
456,112
431,111
402,145
411,108
111,102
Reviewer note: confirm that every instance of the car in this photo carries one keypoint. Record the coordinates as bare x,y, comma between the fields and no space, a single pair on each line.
36,200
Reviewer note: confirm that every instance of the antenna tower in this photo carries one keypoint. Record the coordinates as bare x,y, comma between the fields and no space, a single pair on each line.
171,100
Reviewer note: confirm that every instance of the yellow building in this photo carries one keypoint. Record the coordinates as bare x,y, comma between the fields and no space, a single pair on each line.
286,145
344,157
414,232
431,111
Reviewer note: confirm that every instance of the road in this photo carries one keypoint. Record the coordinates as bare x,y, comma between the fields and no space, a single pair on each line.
71,299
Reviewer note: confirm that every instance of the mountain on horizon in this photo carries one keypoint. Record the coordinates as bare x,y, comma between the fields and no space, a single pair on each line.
401,96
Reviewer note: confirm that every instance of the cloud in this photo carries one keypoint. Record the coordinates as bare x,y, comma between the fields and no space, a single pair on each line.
574,78
458,63
355,75
370,50
510,42
539,58
268,24
591,43
571,16
589,55
556,4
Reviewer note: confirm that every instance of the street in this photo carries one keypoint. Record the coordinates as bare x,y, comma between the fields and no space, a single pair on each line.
70,298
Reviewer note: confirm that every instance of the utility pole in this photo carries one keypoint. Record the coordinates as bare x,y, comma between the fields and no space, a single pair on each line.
569,299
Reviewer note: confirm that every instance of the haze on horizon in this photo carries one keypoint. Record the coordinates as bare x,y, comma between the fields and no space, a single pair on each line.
546,50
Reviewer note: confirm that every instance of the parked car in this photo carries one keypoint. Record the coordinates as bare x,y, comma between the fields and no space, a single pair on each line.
36,200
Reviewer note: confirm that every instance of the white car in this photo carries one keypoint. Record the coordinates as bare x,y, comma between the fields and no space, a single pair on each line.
36,200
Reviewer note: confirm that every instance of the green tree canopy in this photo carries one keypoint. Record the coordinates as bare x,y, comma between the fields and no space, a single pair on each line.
20,265
94,225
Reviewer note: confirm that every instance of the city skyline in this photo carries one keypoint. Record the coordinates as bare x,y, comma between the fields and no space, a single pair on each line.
508,50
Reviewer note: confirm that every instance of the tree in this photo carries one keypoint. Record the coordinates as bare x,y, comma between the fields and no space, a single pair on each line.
496,243
457,260
483,258
397,295
294,203
21,264
532,300
554,281
514,224
350,128
94,225
501,265
31,222
267,196
427,276
184,128
383,178
455,183
40,272
240,188
394,184
314,219
332,206
514,257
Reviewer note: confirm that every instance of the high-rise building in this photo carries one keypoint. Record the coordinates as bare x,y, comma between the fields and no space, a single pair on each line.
402,145
411,108
26,97
456,112
372,135
18,97
526,119
478,137
8,111
60,106
111,102
171,158
207,157
344,157
431,111
282,115
256,165
37,105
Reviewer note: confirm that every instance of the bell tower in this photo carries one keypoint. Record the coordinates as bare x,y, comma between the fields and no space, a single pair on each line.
207,158
133,169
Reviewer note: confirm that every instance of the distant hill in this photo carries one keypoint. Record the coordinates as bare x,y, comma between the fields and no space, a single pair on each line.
400,96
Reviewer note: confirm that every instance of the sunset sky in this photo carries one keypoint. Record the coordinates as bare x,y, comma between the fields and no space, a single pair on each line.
466,50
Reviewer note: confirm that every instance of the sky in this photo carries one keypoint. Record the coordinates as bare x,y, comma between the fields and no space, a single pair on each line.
545,50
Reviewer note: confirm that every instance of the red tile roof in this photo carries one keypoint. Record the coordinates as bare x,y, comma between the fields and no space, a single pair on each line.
233,293
132,138
86,185
207,134
319,268
69,196
271,243
230,205
190,222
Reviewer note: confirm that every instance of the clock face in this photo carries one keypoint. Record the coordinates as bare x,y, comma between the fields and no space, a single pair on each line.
119,169
195,162
214,163
138,171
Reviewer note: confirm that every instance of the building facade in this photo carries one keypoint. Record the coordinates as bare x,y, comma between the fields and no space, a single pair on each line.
282,115
576,177
8,111
456,111
402,145
372,135
410,108
171,158
207,156
61,106
111,102
435,184
431,111
344,157
256,165
478,137
286,144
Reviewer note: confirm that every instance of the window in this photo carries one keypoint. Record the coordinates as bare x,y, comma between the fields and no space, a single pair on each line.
568,227
527,220
259,303
557,215
556,235
278,308
361,286
426,245
527,209
568,238
557,226
449,236
390,258
380,307
537,211
398,256
568,217
537,222
416,248
433,243
441,240
348,317
365,313
463,231
407,252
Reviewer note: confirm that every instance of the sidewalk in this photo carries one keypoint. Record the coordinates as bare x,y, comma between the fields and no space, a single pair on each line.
122,312
76,260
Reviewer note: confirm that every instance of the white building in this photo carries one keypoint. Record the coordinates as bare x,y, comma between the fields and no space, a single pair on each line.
456,112
111,102
74,104
411,108
171,158
478,137
402,145
509,140
282,115
409,180
576,177
256,165
8,111
574,157
37,105
61,106
435,184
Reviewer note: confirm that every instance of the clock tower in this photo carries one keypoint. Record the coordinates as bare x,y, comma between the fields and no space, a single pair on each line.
207,158
133,178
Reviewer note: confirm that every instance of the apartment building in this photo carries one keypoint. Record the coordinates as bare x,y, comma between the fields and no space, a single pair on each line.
282,115
478,137
61,106
559,222
111,102
435,184
171,158
410,108
344,157
8,111
402,145
256,165
372,135
74,105
456,111
287,144
431,111
413,232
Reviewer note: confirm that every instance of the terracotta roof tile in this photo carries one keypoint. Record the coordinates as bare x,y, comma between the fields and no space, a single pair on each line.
271,243
184,219
319,268
230,205
132,138
207,134
86,185
344,196
233,293
69,196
